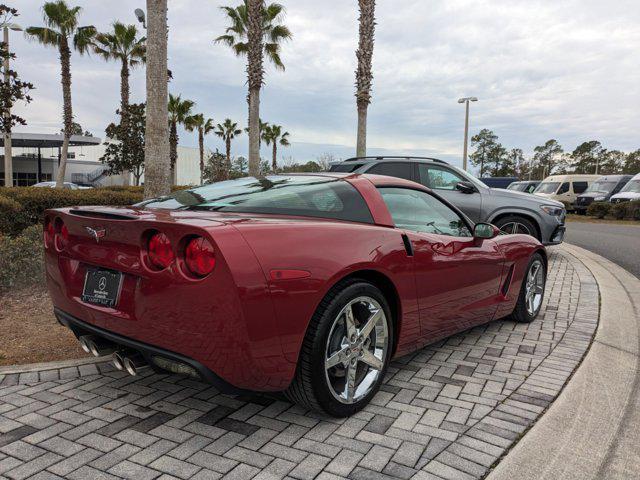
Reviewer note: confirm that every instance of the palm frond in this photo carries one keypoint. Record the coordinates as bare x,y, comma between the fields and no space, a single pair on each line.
272,51
43,35
83,38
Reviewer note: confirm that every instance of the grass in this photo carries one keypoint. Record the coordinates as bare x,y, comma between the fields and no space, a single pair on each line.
572,217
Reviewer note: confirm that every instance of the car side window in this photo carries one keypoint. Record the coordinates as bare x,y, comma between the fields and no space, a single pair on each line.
437,177
531,188
393,169
579,187
420,212
564,188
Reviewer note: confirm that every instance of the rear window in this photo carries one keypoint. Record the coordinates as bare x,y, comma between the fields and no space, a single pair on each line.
303,195
393,169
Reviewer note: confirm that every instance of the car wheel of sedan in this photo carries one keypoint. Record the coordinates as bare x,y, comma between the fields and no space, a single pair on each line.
516,224
532,291
346,350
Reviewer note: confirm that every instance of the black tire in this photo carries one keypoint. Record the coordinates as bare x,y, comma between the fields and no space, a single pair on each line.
510,219
309,387
520,313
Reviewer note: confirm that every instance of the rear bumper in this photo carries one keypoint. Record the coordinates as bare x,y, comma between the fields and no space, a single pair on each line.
78,327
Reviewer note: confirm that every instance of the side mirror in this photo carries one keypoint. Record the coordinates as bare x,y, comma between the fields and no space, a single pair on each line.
485,231
466,187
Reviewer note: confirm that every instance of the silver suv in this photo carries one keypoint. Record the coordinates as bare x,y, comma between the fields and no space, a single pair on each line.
511,211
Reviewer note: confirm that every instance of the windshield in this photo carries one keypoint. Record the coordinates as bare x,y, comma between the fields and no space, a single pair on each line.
301,195
633,186
520,187
547,187
601,187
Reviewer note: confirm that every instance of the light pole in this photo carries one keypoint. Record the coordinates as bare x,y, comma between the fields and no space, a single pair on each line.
8,155
466,101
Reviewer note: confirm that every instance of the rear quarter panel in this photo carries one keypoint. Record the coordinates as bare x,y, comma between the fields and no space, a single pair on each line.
329,251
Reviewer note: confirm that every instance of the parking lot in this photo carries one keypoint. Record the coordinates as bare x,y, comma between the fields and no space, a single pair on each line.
448,411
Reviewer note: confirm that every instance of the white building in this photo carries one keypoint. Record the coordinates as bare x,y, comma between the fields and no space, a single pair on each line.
35,158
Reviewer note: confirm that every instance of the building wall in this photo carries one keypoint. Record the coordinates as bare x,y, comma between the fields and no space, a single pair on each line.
87,160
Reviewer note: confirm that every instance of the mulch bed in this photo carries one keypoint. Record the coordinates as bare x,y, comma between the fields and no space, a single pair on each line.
29,332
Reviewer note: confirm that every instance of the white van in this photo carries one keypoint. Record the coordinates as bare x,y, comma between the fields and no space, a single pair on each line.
564,188
631,191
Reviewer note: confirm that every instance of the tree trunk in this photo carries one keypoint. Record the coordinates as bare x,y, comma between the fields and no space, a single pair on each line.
201,147
227,166
124,105
274,164
255,72
361,141
156,155
364,77
8,155
173,150
65,62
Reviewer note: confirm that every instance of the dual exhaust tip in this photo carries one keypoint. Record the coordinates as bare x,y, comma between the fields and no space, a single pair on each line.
128,360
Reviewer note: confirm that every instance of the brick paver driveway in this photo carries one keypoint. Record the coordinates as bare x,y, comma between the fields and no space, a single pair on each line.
447,411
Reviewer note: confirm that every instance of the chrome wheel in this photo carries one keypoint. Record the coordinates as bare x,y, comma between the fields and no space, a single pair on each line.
515,227
534,287
356,349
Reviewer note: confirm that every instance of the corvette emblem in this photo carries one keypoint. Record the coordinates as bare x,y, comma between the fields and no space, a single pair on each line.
96,233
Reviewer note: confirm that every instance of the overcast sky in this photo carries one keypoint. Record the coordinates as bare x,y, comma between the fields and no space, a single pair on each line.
564,69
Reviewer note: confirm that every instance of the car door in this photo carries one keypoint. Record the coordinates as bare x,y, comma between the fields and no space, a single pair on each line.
444,181
457,276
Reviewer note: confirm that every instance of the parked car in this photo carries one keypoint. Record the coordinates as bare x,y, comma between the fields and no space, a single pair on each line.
600,191
527,186
307,284
498,182
512,212
631,191
564,188
66,185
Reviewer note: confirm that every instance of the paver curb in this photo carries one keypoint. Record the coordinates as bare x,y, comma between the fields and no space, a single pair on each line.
590,431
44,366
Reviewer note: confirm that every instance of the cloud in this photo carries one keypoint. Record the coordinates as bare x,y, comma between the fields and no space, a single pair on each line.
541,69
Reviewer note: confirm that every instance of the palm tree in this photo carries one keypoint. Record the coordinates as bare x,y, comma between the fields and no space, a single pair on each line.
157,168
364,76
203,126
261,128
61,27
228,130
273,135
122,44
179,111
255,31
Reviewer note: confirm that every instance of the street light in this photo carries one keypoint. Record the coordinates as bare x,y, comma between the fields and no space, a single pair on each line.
466,101
8,156
141,17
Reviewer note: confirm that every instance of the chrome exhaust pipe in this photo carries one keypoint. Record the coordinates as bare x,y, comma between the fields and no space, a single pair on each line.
118,359
135,364
96,346
84,342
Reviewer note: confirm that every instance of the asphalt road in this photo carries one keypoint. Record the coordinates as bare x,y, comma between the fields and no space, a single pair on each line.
618,243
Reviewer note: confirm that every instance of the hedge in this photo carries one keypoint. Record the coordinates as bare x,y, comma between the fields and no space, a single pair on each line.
33,202
619,211
599,209
21,259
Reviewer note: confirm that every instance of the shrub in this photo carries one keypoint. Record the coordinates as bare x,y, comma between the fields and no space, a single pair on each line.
599,209
12,217
34,201
618,210
568,206
633,209
21,259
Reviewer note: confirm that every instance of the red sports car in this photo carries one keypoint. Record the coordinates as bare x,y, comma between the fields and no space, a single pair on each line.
304,284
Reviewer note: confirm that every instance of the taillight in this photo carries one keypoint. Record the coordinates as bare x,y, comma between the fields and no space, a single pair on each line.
199,257
61,237
160,252
49,232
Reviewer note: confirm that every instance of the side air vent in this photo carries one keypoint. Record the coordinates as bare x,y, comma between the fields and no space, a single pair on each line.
507,282
105,215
